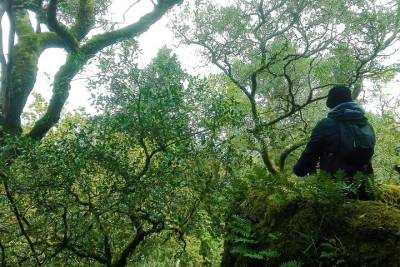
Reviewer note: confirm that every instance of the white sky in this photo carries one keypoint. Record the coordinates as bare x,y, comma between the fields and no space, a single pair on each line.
150,42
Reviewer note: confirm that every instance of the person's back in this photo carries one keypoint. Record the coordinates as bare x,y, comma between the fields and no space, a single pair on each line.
328,141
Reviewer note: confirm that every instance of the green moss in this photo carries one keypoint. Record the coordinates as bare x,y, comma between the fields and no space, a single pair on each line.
391,195
374,229
374,215
321,233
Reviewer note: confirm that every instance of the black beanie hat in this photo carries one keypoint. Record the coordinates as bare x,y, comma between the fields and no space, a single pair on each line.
338,95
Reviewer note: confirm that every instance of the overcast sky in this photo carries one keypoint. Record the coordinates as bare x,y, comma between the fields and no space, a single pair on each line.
150,42
158,36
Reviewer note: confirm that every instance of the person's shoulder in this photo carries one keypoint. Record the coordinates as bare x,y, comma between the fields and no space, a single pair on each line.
325,126
326,122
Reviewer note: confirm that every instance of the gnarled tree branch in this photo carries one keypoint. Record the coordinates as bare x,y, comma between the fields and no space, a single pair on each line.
84,20
79,56
287,151
101,41
61,30
7,79
141,234
61,89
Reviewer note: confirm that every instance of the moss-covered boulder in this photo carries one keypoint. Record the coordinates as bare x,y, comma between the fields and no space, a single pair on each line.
391,195
270,230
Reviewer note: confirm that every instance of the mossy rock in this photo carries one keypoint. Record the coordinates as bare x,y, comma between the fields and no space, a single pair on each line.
323,233
391,195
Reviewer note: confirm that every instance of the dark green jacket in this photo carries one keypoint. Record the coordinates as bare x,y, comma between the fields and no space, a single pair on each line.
323,146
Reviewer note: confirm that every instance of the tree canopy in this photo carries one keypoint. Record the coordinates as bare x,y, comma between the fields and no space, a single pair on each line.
154,176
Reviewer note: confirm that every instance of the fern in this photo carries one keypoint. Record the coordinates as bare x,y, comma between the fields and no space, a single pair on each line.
269,254
242,238
240,231
239,240
247,252
291,264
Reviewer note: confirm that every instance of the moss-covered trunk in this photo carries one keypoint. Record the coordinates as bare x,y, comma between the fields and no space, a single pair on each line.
18,82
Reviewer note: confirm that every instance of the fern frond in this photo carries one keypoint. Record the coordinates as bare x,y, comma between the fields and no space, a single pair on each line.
291,264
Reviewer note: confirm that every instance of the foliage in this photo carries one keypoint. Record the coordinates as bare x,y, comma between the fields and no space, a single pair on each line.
67,26
283,55
312,232
172,165
291,264
386,154
242,236
98,186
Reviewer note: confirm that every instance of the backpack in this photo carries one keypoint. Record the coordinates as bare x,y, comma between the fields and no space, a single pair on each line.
357,142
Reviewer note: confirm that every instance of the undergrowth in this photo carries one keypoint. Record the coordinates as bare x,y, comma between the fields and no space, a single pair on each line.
281,217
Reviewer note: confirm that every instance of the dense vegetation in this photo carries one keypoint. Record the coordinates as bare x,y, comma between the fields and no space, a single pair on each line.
157,175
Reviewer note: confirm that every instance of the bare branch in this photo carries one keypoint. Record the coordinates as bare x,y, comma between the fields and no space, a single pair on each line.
294,110
129,8
360,71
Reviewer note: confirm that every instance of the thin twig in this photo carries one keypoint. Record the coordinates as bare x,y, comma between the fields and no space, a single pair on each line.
128,9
